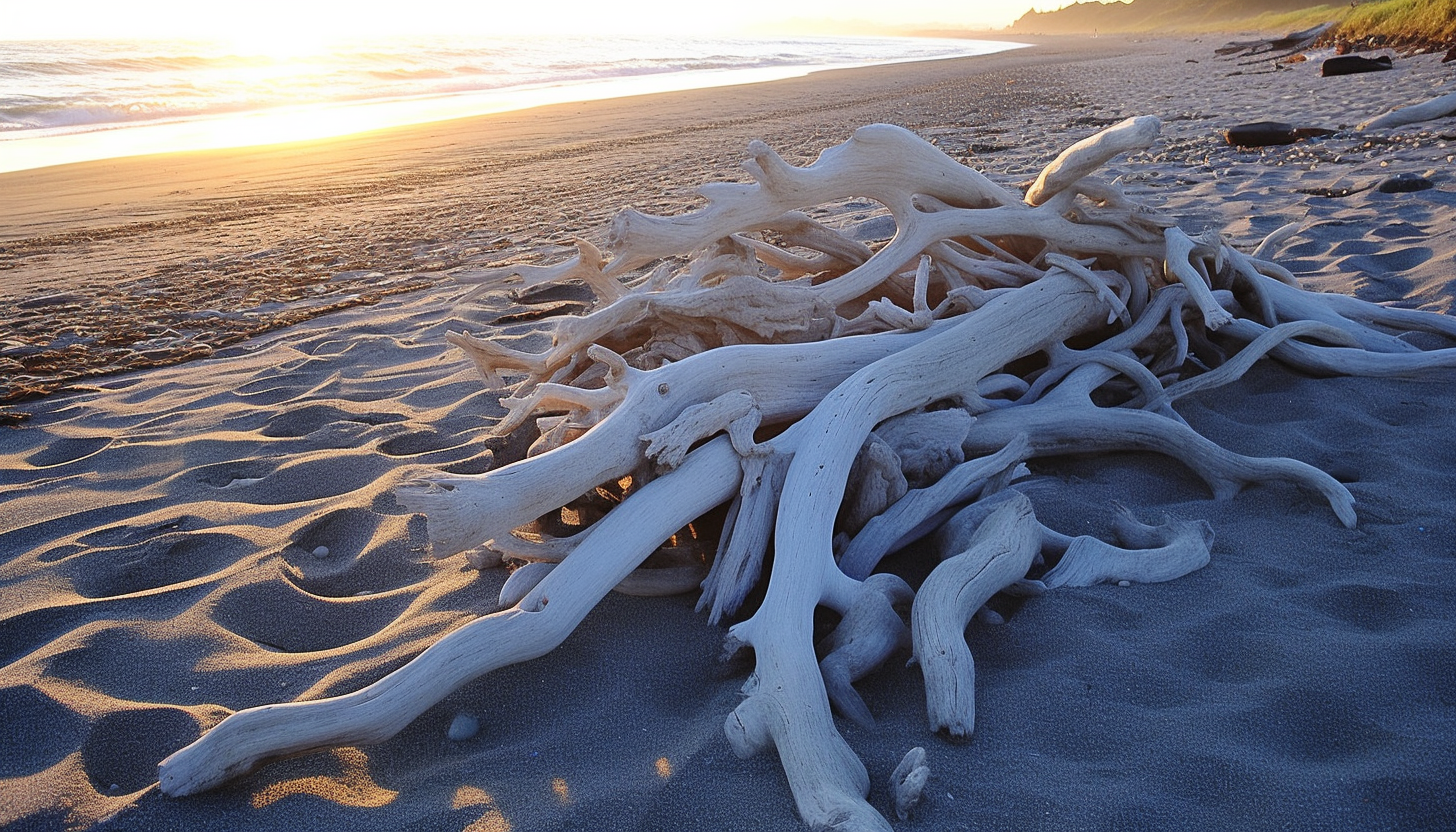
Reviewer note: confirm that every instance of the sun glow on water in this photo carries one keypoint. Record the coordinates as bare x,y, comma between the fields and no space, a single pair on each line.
252,88
288,21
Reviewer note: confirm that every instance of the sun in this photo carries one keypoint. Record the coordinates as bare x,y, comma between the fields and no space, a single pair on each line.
280,42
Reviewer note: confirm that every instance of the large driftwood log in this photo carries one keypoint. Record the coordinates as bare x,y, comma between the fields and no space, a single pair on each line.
746,354
1438,107
535,625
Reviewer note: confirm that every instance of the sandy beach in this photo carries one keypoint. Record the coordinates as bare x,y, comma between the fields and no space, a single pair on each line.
217,528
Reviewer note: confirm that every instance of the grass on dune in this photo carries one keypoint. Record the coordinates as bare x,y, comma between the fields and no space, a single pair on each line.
1406,23
1400,21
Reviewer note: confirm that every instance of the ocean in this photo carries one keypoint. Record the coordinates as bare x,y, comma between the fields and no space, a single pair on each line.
67,101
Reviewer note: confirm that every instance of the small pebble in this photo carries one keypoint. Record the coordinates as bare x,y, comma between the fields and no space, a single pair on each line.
321,552
1124,583
463,727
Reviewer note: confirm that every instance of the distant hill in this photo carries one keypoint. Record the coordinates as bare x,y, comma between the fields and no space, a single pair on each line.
1146,15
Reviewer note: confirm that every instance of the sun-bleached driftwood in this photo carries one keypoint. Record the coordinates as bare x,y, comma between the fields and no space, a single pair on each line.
1169,550
543,617
1086,156
999,553
787,706
1438,107
1286,44
908,781
913,516
844,397
468,511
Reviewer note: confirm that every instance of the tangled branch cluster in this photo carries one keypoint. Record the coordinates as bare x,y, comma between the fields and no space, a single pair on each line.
846,395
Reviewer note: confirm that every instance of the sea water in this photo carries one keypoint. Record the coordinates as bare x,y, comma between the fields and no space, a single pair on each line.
67,101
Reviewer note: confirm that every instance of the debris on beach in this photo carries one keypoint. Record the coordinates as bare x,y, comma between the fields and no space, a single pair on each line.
1271,133
1354,65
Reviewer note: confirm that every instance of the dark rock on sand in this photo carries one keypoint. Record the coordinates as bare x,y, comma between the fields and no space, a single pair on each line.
1405,183
1266,133
1354,65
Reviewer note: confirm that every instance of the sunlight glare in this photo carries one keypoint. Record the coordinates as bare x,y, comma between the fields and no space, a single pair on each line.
472,797
351,787
290,22
279,44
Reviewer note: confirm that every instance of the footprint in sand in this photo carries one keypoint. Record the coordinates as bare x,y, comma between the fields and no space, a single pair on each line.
363,551
321,475
164,560
1399,231
280,617
301,421
65,451
416,443
37,731
121,752
1371,608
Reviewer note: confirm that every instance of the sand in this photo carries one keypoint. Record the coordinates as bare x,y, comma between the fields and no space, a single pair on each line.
187,540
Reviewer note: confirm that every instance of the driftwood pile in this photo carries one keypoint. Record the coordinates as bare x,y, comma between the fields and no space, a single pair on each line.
845,396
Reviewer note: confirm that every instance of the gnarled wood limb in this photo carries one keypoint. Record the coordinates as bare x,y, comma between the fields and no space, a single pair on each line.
787,704
1072,425
1438,107
908,780
1181,248
586,266
880,162
1091,153
746,533
785,381
613,548
870,632
1159,553
998,553
1234,369
928,443
918,512
1346,361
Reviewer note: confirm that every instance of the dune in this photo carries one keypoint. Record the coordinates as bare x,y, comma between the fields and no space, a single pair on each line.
186,540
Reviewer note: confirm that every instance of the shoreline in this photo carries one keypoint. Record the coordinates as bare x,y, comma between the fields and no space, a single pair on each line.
153,245
325,120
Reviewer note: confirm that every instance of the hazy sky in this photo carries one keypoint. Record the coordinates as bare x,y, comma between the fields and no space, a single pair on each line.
312,19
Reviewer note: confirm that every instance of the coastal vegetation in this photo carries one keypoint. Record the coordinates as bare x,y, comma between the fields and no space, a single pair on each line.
1409,24
1399,23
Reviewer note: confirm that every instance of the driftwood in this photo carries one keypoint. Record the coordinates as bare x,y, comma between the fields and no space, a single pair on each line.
1291,42
1438,107
845,399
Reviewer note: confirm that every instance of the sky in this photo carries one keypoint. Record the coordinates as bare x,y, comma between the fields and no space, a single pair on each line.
312,19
